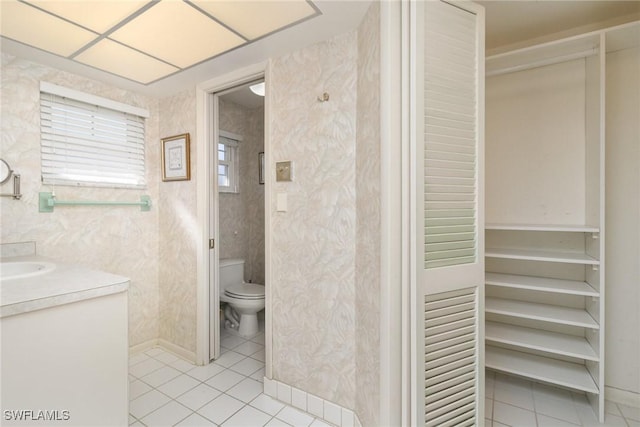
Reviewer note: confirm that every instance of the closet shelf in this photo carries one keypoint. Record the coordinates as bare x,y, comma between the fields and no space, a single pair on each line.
537,255
538,339
540,368
542,227
542,284
542,312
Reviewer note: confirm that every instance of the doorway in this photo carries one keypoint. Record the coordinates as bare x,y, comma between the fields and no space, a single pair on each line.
237,209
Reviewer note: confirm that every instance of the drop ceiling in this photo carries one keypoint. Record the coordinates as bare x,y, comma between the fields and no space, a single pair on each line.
162,46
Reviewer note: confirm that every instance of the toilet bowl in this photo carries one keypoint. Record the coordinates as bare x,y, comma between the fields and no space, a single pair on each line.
246,299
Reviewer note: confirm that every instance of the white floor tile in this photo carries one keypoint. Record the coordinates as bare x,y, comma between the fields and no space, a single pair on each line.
229,359
137,388
161,376
178,385
137,424
166,357
247,417
231,341
147,403
221,408
246,390
248,348
276,423
205,372
259,338
294,417
513,416
611,408
258,375
514,394
544,421
167,415
557,407
154,351
225,380
267,404
633,423
198,396
258,355
137,358
318,423
629,412
611,421
195,420
247,366
182,365
497,424
145,367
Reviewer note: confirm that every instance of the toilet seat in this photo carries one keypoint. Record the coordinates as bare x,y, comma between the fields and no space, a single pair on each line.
245,291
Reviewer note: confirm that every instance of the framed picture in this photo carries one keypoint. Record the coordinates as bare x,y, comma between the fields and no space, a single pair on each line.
261,168
175,158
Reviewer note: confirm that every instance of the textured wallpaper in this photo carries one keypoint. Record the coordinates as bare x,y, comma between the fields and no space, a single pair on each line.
313,243
179,231
241,215
120,240
368,220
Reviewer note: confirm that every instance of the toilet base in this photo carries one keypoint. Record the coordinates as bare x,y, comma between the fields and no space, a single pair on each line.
248,325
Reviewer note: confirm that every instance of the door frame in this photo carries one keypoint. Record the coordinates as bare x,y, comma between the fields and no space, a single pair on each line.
207,216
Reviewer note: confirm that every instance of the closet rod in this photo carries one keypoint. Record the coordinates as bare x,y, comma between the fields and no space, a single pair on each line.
542,62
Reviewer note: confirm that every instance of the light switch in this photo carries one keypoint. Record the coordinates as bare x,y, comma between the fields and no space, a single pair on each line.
281,202
283,171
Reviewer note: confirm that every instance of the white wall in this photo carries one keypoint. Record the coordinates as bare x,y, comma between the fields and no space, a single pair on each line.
623,221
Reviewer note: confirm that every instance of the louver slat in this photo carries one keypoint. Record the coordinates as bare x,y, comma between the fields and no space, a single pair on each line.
450,357
450,158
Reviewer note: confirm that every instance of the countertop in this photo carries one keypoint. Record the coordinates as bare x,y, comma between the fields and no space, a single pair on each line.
67,283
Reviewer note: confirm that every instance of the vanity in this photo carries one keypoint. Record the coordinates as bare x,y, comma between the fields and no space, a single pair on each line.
64,344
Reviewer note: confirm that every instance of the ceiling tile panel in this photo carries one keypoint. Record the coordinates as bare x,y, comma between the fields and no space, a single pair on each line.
39,29
177,33
254,19
121,60
97,15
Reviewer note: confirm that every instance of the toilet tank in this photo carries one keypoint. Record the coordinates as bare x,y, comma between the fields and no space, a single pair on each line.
231,271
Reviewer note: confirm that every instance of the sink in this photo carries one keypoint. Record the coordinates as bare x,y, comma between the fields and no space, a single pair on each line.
22,269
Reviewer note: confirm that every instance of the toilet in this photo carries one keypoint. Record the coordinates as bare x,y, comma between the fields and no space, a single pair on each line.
245,299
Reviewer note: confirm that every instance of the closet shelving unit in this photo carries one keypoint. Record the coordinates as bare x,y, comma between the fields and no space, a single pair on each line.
544,304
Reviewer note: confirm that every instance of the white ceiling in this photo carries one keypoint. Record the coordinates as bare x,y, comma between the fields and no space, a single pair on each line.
332,18
508,23
512,22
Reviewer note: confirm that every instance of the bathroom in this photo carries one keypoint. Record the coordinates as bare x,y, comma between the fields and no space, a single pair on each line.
241,192
335,322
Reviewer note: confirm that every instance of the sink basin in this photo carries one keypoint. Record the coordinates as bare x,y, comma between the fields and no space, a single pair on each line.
22,269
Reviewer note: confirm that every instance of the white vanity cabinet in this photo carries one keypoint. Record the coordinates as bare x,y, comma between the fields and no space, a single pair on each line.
64,355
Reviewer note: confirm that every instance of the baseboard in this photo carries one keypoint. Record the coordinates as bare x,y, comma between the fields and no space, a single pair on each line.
138,348
623,397
313,405
187,355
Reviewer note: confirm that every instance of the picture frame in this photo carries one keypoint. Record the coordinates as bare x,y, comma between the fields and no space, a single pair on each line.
176,163
261,168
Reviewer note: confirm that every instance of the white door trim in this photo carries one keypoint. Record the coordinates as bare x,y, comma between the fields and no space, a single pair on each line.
206,263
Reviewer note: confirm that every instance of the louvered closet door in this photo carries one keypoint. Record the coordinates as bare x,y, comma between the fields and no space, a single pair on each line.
448,148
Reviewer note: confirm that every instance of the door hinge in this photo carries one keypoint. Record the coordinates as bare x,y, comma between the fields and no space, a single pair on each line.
212,243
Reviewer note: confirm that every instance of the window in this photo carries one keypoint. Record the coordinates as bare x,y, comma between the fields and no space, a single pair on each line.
228,163
90,141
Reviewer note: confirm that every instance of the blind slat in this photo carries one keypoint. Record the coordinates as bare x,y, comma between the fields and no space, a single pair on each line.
85,144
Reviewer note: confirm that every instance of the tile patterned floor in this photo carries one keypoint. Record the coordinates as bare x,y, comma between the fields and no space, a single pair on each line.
165,390
515,402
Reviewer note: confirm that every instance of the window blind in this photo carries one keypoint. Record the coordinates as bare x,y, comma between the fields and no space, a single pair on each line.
91,145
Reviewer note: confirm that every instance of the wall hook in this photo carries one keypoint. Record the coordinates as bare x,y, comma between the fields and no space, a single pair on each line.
324,97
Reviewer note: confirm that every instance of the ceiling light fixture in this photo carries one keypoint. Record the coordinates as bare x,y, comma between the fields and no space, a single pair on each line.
258,89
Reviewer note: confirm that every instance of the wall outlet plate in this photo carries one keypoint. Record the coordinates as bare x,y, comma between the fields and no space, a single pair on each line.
283,171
